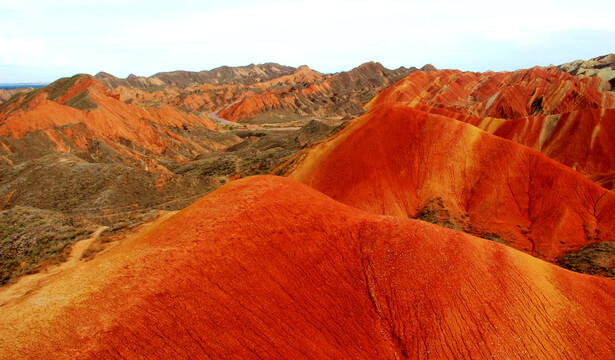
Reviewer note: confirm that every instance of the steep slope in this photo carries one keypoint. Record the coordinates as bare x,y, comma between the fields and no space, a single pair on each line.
568,118
582,139
507,95
289,273
397,160
339,95
240,75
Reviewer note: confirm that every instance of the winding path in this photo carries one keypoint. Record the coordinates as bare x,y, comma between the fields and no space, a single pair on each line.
29,283
214,116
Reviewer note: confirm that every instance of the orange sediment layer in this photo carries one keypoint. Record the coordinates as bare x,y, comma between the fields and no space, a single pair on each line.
397,160
266,267
508,95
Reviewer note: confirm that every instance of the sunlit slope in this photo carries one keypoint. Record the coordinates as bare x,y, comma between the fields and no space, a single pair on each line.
266,267
81,114
397,160
580,139
568,118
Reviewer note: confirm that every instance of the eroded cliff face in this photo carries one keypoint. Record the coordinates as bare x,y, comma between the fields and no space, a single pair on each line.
290,273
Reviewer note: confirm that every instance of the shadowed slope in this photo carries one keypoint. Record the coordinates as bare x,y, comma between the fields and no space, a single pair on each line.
268,268
400,161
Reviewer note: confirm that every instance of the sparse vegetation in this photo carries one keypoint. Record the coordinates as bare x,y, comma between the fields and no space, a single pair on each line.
116,231
493,237
30,237
82,101
219,166
276,116
96,247
265,161
593,259
60,87
230,127
435,212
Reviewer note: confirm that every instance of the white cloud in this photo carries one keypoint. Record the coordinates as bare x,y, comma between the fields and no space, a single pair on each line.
146,37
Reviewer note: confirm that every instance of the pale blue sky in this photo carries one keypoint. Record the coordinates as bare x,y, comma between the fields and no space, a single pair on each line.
45,40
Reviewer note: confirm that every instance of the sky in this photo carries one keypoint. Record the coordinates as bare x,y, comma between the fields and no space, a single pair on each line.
41,41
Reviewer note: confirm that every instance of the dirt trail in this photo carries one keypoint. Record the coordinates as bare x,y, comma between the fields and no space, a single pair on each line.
28,283
214,116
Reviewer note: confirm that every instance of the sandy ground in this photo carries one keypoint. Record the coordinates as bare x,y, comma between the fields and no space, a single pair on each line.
32,283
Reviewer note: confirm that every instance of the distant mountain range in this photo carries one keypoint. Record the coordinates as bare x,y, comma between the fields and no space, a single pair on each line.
11,86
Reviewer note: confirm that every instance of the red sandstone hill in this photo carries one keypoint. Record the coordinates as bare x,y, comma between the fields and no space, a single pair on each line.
507,95
268,268
397,160
582,139
303,75
75,147
78,112
568,118
260,94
